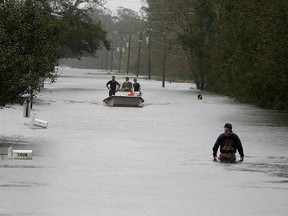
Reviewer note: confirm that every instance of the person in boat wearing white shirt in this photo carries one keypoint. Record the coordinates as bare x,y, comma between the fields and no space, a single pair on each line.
127,85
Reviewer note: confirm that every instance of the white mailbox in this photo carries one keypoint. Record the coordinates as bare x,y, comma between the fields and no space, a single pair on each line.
22,154
41,123
38,122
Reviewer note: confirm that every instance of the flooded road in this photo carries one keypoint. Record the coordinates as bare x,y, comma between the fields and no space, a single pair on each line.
155,160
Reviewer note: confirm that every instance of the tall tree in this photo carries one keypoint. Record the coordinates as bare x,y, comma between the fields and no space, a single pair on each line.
33,39
192,21
82,34
29,48
251,44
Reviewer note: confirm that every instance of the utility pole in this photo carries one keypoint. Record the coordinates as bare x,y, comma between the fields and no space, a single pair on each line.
107,58
164,58
120,55
113,45
129,50
112,56
139,52
149,53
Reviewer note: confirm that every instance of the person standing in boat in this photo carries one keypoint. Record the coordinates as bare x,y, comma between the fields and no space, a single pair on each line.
127,85
228,142
136,86
112,86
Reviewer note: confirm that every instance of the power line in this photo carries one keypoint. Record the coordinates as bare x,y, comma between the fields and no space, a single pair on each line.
176,56
175,47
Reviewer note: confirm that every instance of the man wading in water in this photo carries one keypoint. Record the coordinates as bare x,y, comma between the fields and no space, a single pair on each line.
229,142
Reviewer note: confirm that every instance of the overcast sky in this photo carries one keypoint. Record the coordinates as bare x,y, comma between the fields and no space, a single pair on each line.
132,4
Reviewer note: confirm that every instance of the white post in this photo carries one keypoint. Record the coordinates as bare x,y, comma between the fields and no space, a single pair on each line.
33,120
10,152
26,108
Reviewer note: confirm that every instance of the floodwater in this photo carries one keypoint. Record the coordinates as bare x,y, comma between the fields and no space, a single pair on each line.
155,160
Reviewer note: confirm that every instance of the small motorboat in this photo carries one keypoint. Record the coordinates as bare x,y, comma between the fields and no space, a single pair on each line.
125,99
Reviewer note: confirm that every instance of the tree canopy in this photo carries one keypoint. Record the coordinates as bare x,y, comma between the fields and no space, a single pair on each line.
34,35
238,48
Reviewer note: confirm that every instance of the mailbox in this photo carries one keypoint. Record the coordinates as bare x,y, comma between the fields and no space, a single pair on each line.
22,154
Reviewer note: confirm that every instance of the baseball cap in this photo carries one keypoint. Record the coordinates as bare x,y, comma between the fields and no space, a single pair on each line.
228,125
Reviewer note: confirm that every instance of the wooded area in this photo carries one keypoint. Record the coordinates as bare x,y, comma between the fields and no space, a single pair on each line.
35,35
236,48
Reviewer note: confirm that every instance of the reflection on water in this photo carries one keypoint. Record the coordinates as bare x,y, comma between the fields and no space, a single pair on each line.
98,160
274,166
20,166
21,185
262,117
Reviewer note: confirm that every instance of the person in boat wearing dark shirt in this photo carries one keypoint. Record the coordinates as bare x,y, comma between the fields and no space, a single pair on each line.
136,86
112,85
228,142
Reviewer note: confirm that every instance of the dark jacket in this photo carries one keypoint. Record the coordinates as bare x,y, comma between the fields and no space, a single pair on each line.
112,85
229,137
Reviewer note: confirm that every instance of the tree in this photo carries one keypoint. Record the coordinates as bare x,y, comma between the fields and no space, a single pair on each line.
192,23
237,48
29,48
83,34
33,41
126,22
251,47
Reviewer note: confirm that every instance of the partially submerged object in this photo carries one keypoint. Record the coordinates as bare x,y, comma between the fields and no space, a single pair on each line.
37,123
7,151
125,99
22,154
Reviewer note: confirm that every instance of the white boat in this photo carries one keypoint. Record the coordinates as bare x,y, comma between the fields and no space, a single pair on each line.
125,99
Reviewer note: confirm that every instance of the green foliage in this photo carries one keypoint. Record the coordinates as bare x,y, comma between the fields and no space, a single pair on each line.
82,34
118,28
192,23
33,40
29,48
251,64
196,38
238,48
168,57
